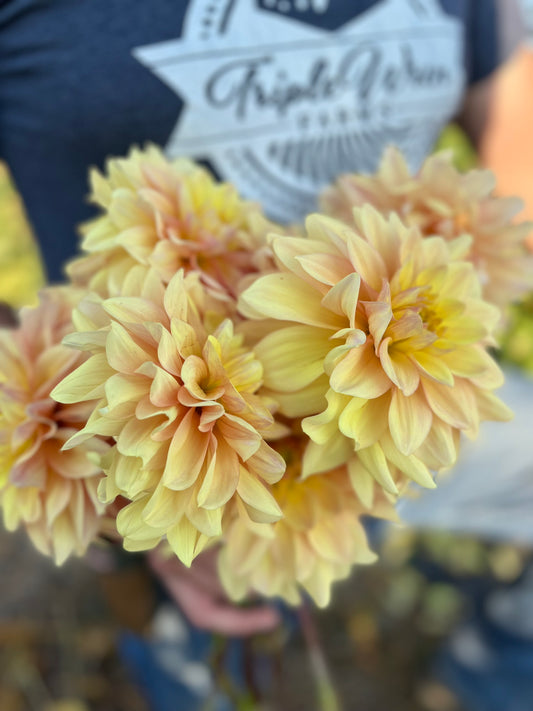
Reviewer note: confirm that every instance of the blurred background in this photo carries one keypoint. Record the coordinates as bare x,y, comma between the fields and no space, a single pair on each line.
392,636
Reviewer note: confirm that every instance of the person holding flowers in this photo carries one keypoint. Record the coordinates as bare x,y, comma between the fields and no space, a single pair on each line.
244,385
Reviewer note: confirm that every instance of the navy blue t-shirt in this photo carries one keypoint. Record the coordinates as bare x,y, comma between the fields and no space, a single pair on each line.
278,96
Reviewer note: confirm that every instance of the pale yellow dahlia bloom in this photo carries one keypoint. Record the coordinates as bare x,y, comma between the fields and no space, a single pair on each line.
442,201
52,493
383,350
168,215
177,392
317,542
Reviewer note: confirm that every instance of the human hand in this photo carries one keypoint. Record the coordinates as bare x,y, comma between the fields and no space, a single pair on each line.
199,594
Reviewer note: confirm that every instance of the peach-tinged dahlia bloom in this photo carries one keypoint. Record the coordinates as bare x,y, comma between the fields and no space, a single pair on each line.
317,542
177,391
168,215
442,201
383,349
51,492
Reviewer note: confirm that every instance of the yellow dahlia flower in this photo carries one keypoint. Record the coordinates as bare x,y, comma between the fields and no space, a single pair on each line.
178,393
442,201
318,541
384,344
168,215
51,492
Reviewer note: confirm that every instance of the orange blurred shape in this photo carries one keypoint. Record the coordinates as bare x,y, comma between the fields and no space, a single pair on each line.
507,147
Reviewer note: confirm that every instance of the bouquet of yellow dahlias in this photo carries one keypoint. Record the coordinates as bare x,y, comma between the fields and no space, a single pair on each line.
238,387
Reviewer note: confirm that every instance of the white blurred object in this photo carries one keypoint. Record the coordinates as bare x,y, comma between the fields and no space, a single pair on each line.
489,492
527,14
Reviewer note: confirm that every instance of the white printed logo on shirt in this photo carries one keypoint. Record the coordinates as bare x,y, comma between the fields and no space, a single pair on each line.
280,107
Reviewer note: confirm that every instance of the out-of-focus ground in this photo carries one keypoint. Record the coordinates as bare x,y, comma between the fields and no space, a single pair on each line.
59,627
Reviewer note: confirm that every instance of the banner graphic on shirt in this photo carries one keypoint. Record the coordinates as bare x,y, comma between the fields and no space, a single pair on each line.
281,106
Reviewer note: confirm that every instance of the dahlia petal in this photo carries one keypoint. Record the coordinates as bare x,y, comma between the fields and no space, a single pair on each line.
456,406
439,445
186,541
286,297
221,477
240,435
176,299
121,388
318,586
433,366
164,507
375,462
473,362
134,310
292,357
193,373
52,365
40,537
288,250
304,402
325,539
399,368
325,268
84,383
492,408
267,464
167,353
379,316
359,374
207,521
134,440
30,471
410,420
63,539
71,464
472,328
342,298
364,421
123,354
367,262
130,519
362,482
185,337
186,454
322,427
133,545
255,494
164,389
57,500
410,465
322,458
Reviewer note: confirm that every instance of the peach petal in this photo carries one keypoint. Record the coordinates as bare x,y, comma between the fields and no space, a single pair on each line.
359,374
257,496
457,408
374,461
410,420
221,476
186,454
